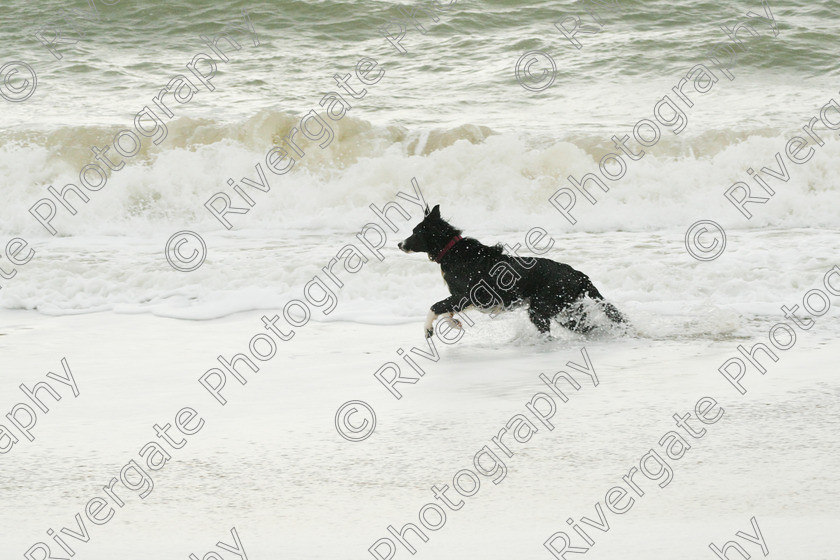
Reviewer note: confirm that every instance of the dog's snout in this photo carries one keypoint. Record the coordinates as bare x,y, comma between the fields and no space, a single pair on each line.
400,245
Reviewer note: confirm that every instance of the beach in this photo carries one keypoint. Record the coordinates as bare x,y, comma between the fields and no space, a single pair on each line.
270,463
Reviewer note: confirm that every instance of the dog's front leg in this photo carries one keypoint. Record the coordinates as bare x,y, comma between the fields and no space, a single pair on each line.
450,318
427,327
450,305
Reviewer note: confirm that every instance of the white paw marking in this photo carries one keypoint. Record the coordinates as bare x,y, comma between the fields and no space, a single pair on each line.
430,319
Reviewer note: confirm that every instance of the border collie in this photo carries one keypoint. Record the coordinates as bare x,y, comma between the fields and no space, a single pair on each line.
486,278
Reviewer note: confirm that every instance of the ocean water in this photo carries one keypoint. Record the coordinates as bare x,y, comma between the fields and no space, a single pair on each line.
450,112
489,111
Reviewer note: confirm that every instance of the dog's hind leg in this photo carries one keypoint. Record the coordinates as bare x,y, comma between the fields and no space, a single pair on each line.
579,322
612,313
609,309
540,314
540,321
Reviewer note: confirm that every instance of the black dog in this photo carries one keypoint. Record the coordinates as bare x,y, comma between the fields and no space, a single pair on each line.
473,272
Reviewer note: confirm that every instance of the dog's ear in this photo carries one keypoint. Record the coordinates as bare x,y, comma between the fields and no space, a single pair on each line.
426,212
436,211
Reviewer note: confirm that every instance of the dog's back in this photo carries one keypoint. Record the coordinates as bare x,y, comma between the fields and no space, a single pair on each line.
471,262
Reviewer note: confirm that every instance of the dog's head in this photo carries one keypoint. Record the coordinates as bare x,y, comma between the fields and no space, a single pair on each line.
430,235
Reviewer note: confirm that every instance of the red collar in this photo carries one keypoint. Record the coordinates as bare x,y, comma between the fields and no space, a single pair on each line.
446,249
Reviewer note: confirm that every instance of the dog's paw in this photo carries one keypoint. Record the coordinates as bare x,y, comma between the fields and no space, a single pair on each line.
430,333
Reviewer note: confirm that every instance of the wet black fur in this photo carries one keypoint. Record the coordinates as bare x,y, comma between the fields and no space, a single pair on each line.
547,287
